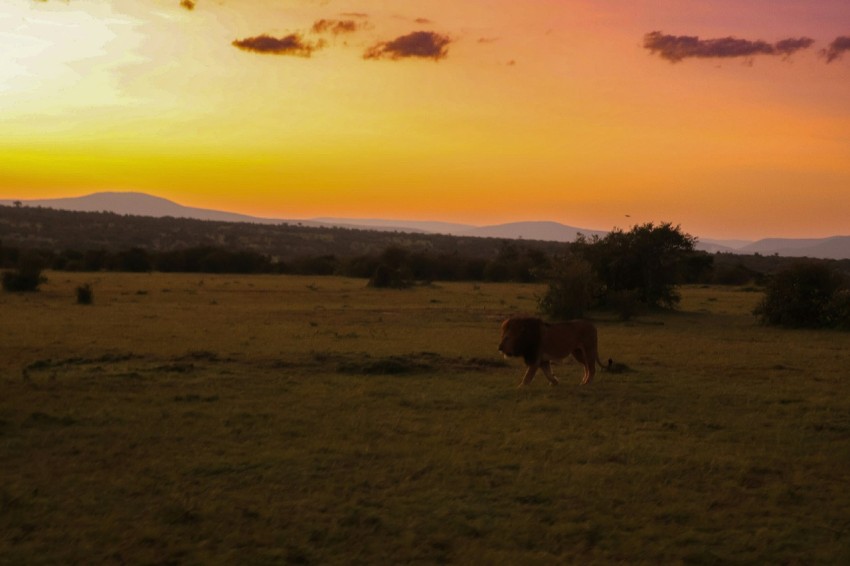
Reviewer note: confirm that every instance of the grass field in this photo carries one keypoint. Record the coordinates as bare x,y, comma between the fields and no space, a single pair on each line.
186,419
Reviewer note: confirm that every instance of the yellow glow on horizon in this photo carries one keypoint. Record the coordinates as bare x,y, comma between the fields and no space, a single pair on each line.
546,111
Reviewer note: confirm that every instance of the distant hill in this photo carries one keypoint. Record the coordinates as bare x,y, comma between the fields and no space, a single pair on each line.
423,226
141,204
550,231
837,247
546,231
75,232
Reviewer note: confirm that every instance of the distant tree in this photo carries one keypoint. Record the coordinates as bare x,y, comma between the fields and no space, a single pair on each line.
135,260
648,261
387,277
516,263
18,204
733,274
94,260
317,265
68,260
394,257
807,294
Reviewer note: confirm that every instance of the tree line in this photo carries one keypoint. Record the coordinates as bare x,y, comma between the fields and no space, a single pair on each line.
625,271
512,262
631,262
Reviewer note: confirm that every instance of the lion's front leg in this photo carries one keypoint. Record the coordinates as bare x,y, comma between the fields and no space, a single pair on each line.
529,375
547,371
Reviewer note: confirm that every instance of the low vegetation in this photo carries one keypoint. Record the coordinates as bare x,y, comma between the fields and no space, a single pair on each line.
26,277
193,418
85,294
807,295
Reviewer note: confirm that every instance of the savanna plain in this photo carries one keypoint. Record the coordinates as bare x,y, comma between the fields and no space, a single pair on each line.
187,419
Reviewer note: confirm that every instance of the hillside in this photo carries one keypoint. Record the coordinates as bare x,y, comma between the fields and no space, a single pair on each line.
837,247
141,204
144,205
56,230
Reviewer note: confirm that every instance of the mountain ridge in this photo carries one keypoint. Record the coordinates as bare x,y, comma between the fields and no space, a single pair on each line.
143,204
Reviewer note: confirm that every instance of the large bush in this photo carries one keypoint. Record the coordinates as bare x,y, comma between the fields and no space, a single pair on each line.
647,262
808,294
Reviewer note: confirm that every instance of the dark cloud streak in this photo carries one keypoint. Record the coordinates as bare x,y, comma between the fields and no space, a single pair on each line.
418,44
675,48
336,27
292,44
837,48
788,47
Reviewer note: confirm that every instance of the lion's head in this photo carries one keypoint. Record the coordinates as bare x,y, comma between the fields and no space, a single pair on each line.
521,337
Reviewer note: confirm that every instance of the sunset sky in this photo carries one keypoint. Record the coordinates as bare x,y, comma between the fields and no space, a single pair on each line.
730,117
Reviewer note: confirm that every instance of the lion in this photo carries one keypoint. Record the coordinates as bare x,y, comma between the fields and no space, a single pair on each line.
539,343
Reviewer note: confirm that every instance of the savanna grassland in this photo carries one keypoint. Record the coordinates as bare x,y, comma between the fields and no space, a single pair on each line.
185,419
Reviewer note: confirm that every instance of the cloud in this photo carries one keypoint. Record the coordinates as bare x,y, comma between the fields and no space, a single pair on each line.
836,49
675,48
292,44
424,21
355,15
188,4
336,27
420,44
788,47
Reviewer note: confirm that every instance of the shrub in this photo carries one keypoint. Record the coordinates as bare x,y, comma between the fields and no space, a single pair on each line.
807,294
572,289
85,295
386,277
26,278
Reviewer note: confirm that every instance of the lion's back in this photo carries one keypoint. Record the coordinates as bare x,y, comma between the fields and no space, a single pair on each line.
578,332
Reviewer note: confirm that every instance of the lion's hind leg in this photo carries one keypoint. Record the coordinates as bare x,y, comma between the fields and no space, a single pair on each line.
547,371
590,365
589,372
584,358
579,356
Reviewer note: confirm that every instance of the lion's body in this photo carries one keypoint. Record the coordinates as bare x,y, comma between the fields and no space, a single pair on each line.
539,343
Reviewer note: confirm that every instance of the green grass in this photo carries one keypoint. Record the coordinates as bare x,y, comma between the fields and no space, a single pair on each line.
259,420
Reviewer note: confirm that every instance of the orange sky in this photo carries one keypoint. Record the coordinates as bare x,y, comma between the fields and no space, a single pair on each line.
456,110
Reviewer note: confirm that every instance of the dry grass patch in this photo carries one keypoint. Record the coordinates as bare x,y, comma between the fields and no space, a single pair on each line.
314,421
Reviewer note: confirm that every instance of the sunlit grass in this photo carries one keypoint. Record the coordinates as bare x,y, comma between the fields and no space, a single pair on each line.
314,420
